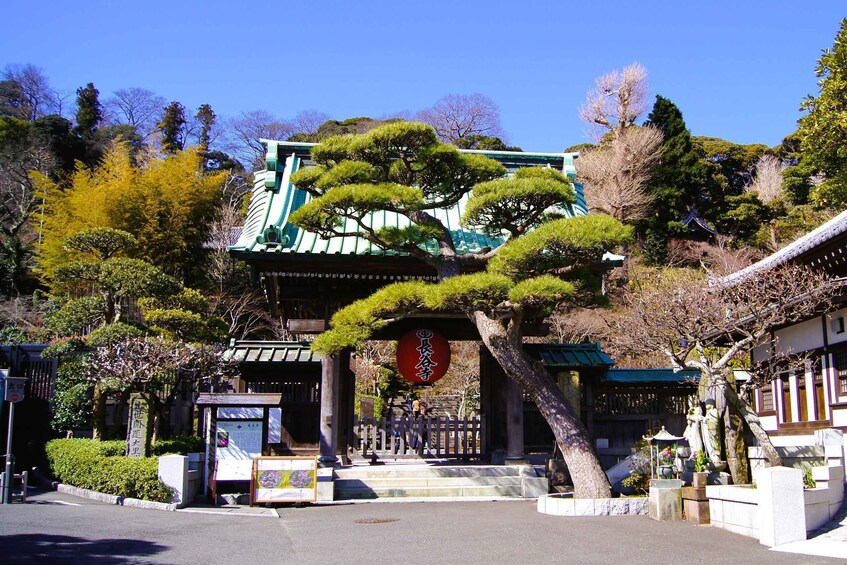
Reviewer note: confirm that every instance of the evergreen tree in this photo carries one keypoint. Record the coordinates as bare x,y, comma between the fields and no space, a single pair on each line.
823,130
172,127
206,118
677,179
89,111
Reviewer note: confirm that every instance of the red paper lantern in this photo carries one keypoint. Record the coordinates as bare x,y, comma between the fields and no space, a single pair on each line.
423,356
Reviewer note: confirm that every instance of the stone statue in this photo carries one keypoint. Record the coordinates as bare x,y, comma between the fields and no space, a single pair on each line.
692,431
710,427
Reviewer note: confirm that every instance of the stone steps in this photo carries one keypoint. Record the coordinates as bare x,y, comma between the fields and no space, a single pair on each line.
422,481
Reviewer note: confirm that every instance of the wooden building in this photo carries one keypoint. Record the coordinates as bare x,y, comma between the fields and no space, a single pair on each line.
799,402
307,278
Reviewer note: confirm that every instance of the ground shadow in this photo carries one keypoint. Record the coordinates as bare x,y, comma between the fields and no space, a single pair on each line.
47,548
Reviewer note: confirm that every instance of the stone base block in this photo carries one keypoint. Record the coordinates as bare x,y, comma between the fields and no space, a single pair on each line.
696,511
665,504
325,491
691,493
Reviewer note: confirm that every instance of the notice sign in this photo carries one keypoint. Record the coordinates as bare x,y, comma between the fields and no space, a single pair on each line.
285,479
14,388
238,439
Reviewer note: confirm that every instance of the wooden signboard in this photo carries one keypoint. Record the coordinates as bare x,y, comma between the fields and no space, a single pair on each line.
284,479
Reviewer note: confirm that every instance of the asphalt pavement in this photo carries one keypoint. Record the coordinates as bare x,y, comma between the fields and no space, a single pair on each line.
57,528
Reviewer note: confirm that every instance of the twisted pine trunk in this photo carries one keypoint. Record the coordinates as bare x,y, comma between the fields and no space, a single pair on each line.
589,479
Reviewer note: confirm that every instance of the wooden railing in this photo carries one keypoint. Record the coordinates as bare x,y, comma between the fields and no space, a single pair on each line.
407,437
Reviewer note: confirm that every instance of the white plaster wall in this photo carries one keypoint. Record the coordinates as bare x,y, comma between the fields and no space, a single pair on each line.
769,423
839,417
800,337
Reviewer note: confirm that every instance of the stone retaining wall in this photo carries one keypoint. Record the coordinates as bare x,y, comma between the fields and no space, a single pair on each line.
566,505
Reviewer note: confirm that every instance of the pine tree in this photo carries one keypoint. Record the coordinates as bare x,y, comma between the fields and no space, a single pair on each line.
172,127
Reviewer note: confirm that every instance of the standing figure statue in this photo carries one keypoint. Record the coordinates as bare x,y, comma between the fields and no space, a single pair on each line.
710,427
694,417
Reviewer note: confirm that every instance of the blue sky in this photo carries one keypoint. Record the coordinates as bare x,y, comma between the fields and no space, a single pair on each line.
737,70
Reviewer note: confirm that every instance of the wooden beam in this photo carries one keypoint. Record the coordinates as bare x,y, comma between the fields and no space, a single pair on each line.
307,326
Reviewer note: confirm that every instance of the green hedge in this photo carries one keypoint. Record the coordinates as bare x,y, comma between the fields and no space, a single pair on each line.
102,466
181,445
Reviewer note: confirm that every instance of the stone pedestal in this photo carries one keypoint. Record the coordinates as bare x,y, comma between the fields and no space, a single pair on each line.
665,501
173,471
695,504
782,516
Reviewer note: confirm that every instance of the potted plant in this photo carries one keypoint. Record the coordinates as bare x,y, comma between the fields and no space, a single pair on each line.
700,474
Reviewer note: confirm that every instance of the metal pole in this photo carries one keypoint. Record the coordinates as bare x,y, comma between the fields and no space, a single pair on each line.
9,477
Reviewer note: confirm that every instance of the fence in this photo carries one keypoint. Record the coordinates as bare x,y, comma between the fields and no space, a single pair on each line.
407,437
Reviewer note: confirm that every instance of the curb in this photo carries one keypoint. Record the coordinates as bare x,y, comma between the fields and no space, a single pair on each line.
114,499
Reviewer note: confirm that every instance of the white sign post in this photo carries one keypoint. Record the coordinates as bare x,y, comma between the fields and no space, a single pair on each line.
13,392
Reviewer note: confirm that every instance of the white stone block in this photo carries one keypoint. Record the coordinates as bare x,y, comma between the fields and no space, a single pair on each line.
602,506
619,506
781,506
173,471
564,507
583,507
638,506
541,505
716,510
816,515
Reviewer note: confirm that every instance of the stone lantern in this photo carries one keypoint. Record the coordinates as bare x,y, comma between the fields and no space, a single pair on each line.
663,448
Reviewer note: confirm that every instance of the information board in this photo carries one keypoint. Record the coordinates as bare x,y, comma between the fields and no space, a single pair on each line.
284,479
238,439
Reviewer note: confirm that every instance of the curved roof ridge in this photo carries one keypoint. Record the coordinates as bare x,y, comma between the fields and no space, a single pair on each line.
823,233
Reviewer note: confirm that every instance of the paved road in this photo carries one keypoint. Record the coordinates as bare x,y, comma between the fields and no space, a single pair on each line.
58,528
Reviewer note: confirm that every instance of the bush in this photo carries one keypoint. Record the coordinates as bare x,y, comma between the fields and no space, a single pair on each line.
181,445
102,466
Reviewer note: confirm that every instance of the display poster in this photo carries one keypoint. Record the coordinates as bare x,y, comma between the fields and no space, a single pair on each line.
285,479
238,439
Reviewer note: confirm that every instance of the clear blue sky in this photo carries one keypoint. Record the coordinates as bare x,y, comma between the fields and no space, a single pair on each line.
737,70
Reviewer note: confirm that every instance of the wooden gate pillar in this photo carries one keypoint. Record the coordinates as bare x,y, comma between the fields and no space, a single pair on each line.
330,385
514,421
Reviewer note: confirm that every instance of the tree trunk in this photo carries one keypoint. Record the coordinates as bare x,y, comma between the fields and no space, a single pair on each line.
99,414
571,436
120,407
746,412
736,451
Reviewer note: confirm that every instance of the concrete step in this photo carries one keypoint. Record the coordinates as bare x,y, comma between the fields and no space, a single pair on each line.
417,471
489,491
425,482
430,481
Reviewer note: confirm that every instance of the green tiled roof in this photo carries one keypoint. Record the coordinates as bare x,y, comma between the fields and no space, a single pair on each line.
651,376
274,199
569,355
272,352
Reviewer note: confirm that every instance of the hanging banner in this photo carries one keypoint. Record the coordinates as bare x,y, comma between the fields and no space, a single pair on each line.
423,356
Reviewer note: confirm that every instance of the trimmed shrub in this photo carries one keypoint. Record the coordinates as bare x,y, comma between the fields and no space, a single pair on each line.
102,466
180,445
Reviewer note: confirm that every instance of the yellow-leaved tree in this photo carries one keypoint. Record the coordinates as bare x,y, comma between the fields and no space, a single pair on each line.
168,204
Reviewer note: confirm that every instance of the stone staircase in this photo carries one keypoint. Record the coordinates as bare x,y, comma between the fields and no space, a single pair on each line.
484,482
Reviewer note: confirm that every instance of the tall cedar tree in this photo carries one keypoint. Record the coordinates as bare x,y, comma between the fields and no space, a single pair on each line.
172,127
402,168
206,117
823,130
89,111
677,179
